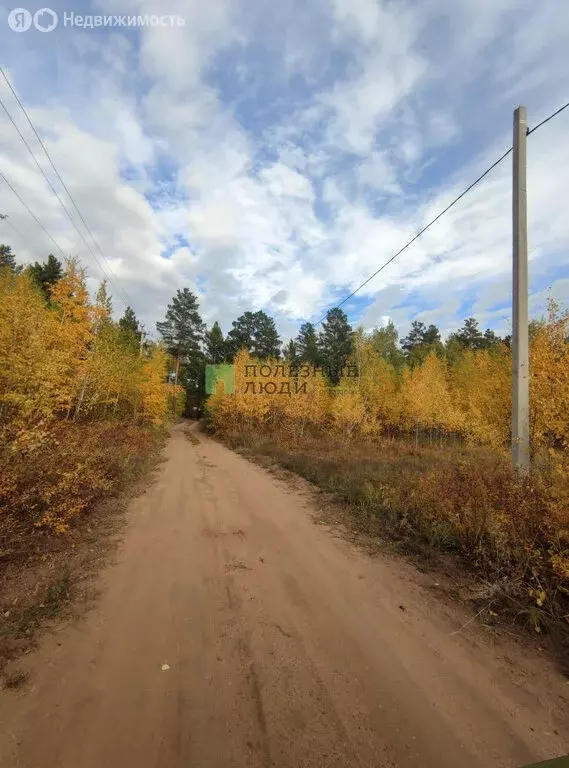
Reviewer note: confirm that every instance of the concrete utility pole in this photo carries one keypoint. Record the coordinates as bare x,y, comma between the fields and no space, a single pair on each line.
520,353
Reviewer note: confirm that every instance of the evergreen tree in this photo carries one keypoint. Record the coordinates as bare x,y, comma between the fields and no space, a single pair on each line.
193,378
45,275
432,336
256,332
453,349
470,335
307,344
8,259
336,342
490,339
129,322
266,341
130,332
385,341
215,346
182,329
290,353
415,336
420,342
241,334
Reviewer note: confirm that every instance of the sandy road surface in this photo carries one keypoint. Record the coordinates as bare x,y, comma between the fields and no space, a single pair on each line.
285,647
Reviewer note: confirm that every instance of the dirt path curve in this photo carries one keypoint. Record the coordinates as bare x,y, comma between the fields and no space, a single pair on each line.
285,646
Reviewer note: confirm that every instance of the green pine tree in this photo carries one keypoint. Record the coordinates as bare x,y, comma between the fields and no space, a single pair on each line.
307,344
420,342
290,353
183,330
470,335
8,259
490,339
130,332
336,342
215,346
46,274
266,341
257,333
241,334
385,341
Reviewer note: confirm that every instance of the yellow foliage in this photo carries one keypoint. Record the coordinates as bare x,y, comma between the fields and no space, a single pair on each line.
549,382
470,398
348,407
426,396
266,394
75,330
379,389
481,383
32,381
155,392
66,361
69,359
472,501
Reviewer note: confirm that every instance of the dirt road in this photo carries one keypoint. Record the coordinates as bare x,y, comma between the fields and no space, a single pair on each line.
234,631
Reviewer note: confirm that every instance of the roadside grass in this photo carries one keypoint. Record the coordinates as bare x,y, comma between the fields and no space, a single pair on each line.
462,502
47,555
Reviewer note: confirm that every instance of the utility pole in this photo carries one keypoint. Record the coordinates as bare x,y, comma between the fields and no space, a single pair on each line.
520,351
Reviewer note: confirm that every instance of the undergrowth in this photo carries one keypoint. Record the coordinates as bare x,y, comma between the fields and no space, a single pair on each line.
65,470
507,532
52,521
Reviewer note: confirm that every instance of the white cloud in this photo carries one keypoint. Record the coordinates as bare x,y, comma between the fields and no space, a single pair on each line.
380,171
269,159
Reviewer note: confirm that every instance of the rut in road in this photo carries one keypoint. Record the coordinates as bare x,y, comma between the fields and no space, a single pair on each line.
234,631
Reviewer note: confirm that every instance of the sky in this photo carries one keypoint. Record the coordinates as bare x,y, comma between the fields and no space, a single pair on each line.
272,155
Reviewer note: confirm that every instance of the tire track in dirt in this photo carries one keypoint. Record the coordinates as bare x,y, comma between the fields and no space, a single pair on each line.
233,631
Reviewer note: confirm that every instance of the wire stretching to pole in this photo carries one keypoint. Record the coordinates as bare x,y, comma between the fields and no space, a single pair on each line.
442,213
6,218
547,119
422,231
61,180
60,201
34,217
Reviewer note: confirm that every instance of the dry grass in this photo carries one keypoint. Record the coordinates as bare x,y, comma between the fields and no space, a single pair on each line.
57,473
44,573
462,502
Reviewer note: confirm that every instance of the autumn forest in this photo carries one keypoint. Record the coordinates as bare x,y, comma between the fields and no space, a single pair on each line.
415,440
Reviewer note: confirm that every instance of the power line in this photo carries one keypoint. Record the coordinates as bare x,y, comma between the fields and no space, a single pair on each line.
547,119
422,231
117,284
6,218
62,204
60,179
34,217
442,213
